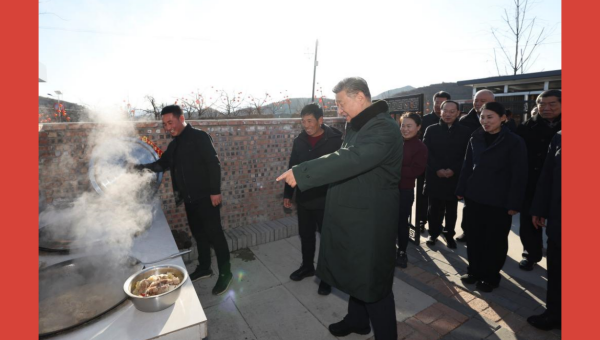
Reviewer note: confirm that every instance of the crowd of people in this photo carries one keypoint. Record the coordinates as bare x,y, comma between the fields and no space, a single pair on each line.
357,189
497,166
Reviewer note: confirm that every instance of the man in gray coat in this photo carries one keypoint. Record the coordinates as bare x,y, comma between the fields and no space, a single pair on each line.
357,251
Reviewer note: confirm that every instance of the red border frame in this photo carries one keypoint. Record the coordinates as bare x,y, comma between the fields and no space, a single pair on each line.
20,170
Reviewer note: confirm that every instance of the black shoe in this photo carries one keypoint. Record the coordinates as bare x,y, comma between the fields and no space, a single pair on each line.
343,329
222,284
485,286
302,273
544,321
468,279
450,243
201,274
402,259
526,264
431,241
324,288
462,238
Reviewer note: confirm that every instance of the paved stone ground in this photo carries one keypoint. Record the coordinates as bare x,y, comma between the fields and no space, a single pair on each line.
431,301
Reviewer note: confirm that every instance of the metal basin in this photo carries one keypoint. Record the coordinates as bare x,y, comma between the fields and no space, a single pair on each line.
158,302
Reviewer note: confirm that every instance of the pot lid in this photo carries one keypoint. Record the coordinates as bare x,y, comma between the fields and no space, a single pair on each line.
110,158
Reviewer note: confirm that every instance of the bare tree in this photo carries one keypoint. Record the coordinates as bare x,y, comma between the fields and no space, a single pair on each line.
258,103
155,107
230,103
524,36
197,105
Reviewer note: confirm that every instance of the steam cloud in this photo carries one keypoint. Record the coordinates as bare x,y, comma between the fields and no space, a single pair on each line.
124,210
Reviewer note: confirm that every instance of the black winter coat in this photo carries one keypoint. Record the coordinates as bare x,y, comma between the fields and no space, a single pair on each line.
446,150
537,135
194,165
471,120
547,200
428,120
494,175
302,151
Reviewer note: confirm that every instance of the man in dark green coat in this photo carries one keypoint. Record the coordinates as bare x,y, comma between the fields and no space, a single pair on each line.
357,251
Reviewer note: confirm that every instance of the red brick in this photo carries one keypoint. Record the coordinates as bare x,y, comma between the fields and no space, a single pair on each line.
445,325
478,304
443,286
513,322
464,295
453,313
429,314
403,330
494,312
422,328
425,277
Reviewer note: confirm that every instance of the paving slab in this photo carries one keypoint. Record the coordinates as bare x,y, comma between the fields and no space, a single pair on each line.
503,334
473,329
327,309
276,314
295,242
280,257
409,300
249,276
226,323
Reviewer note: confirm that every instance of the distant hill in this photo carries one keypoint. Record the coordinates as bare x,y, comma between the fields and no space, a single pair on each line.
391,93
283,109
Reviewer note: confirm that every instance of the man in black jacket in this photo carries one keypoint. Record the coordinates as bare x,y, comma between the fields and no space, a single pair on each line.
446,144
537,133
316,140
546,205
471,120
196,178
428,120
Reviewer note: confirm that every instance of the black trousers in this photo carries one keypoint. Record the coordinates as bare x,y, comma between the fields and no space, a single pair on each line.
437,209
205,223
422,203
488,228
407,197
382,315
553,295
531,238
309,221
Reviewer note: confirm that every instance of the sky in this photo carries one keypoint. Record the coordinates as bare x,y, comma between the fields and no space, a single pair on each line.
100,53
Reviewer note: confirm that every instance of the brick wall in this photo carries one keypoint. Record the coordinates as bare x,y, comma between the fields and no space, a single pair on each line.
252,153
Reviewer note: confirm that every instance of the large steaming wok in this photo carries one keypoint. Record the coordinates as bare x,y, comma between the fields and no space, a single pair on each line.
77,291
63,238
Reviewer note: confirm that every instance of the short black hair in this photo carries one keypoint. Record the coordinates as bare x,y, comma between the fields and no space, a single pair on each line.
494,106
549,93
352,85
442,94
174,109
508,113
312,109
414,116
450,101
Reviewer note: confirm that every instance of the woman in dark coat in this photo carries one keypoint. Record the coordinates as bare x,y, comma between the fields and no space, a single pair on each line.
414,161
493,185
446,143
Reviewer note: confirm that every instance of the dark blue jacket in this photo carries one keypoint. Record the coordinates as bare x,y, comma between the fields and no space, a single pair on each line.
547,200
446,150
537,134
495,175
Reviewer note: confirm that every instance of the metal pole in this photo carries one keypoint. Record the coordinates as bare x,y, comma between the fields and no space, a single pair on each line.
315,71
